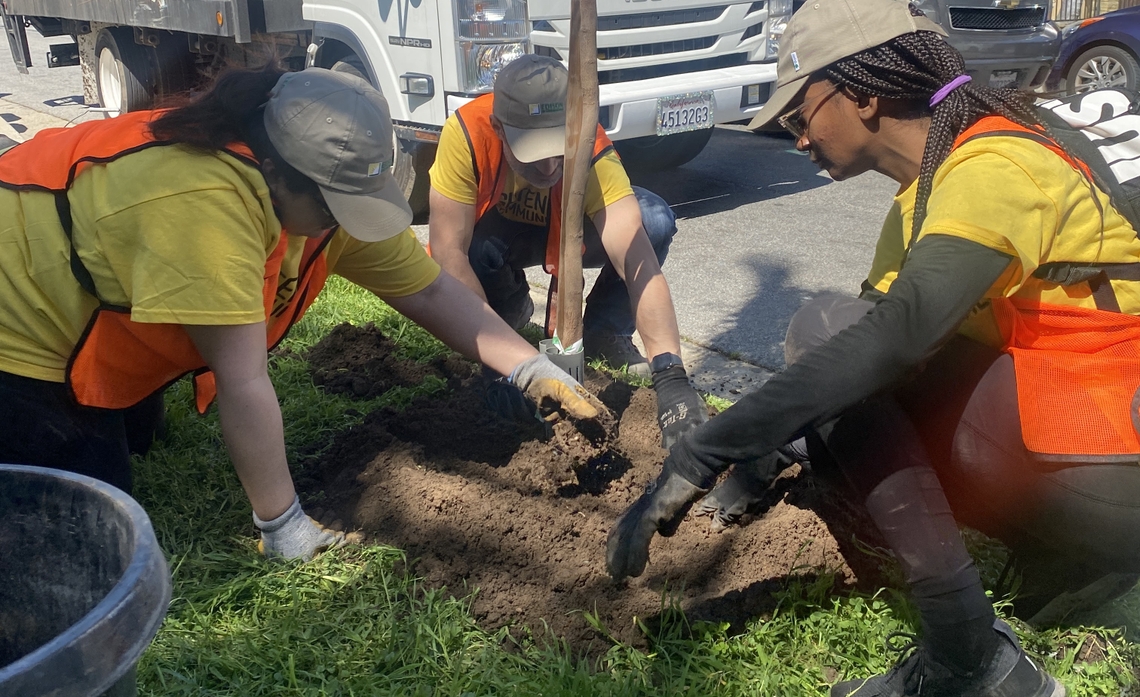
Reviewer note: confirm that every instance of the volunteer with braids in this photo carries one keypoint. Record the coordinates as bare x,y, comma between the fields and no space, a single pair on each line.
998,252
179,261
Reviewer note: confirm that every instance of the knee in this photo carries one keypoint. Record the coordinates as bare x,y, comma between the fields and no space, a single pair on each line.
818,320
658,220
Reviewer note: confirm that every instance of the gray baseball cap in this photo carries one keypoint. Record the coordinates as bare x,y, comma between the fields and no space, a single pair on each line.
825,31
530,101
336,129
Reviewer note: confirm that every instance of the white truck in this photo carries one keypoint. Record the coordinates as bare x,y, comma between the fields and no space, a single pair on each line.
668,70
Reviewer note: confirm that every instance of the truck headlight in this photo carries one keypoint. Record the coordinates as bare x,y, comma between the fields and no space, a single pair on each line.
779,12
482,62
491,33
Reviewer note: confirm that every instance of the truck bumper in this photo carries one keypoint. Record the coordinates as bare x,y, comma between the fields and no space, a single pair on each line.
629,109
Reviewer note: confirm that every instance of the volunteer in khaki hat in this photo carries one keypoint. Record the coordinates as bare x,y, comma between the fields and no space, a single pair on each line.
198,238
932,394
496,198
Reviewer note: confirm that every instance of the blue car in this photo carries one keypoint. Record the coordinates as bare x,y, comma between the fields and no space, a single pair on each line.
1098,52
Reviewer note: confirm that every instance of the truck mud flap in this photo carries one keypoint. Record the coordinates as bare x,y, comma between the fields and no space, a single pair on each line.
17,38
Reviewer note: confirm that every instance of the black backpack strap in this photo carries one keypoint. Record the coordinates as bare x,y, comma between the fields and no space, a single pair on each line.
1098,276
63,209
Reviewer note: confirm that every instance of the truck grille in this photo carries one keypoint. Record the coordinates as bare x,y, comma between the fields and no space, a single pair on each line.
660,19
606,77
996,19
643,50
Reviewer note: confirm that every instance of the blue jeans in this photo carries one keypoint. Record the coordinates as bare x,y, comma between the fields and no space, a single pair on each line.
501,249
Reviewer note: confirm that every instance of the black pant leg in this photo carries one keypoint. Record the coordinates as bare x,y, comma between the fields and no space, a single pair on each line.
41,425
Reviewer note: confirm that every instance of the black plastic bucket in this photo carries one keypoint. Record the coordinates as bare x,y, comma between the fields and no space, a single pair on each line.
83,585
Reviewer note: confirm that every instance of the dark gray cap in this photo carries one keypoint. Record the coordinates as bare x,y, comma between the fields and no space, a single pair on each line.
530,101
825,31
336,129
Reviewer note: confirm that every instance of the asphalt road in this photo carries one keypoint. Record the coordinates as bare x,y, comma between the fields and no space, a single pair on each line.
760,230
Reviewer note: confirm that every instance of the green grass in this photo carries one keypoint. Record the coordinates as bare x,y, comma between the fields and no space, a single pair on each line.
353,622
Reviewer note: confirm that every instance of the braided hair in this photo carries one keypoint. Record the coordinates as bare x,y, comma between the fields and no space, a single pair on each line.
911,68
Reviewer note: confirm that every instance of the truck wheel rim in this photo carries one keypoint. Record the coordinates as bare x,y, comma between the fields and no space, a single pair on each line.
110,84
1100,72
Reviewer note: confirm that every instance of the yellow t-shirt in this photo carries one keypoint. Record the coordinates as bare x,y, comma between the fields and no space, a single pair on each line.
178,236
1015,196
453,175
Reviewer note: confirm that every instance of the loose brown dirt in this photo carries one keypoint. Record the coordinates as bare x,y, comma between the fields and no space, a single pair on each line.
520,513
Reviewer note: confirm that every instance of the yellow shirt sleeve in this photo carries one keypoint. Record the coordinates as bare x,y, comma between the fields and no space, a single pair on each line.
608,183
392,268
453,173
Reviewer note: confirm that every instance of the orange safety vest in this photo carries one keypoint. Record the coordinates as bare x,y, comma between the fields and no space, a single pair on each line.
117,362
1077,369
490,178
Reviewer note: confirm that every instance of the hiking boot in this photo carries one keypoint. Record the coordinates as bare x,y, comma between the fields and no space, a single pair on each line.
1009,672
617,351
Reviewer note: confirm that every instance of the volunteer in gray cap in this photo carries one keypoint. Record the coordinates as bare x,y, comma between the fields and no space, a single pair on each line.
158,244
496,194
983,374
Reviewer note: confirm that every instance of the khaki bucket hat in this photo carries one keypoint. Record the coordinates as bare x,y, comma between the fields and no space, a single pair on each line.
825,31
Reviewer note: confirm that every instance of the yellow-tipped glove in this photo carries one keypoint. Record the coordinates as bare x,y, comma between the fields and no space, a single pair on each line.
540,379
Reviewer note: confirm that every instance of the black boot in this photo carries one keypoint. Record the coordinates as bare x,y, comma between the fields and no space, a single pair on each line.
1008,672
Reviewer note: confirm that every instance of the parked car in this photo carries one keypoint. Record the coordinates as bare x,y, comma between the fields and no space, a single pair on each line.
1006,43
1098,52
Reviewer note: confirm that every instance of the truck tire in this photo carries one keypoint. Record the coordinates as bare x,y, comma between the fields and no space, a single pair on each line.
124,76
655,153
1102,66
412,159
130,77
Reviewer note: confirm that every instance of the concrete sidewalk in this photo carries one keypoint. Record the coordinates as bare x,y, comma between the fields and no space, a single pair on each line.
709,371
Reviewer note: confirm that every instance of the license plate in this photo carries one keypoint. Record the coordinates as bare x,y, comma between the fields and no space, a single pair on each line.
685,112
1005,78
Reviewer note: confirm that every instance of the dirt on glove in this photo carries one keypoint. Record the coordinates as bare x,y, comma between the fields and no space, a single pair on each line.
520,513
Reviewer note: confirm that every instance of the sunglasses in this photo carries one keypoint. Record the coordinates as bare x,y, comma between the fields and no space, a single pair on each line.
796,123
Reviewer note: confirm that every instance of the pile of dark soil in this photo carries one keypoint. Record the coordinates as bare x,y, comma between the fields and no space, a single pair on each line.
522,515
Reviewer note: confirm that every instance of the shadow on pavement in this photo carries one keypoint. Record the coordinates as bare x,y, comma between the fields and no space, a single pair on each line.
735,169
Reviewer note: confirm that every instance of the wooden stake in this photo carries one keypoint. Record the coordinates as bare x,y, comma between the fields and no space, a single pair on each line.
581,129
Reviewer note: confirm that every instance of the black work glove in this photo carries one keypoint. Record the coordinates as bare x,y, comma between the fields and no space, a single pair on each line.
506,400
679,408
659,510
742,489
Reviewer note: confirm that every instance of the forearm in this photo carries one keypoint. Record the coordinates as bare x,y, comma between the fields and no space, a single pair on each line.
255,439
450,232
463,321
943,281
655,316
458,265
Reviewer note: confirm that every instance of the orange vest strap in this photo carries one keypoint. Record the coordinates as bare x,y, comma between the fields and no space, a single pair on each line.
1001,126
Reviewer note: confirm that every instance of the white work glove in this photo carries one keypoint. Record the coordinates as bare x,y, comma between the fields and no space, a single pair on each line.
294,535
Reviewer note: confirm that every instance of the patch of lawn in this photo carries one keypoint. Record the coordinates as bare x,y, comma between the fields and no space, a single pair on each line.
354,622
